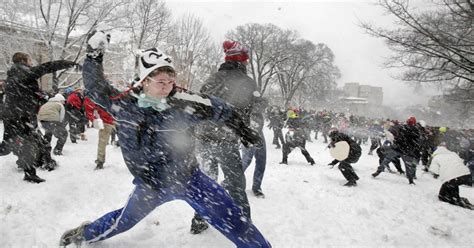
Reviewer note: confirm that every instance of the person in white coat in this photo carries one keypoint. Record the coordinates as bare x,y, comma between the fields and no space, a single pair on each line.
452,172
51,116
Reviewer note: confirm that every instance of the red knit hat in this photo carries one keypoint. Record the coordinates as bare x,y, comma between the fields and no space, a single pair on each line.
235,51
411,121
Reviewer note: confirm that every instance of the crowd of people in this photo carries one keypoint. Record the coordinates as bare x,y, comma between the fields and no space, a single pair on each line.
162,127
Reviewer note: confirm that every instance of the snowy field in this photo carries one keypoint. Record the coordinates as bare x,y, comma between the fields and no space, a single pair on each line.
305,206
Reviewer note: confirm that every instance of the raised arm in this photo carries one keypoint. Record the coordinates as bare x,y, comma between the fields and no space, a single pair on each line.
50,67
98,89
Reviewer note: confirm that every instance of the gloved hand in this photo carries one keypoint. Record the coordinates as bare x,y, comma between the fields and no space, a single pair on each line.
78,67
97,42
192,103
334,162
250,138
435,176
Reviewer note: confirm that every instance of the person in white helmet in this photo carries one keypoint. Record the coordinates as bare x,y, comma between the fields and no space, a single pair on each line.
155,121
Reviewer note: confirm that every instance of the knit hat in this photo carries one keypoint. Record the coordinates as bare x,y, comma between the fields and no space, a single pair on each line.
235,51
150,60
411,121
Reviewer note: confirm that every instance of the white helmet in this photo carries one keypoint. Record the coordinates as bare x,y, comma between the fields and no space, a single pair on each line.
150,60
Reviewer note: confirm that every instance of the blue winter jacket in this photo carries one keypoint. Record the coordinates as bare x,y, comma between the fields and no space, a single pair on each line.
157,147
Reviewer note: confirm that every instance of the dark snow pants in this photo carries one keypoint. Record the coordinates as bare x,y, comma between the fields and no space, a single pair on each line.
299,142
59,131
392,157
449,191
346,168
226,154
278,137
207,197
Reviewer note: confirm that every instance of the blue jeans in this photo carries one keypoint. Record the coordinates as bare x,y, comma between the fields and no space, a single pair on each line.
260,155
207,197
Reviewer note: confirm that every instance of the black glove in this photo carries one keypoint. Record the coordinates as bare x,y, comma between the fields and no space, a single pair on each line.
250,137
97,42
435,176
78,67
247,135
334,162
192,103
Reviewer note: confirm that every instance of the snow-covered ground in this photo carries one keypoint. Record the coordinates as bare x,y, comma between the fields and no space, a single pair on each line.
305,206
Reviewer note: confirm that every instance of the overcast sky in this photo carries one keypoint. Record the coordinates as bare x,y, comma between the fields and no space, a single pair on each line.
358,55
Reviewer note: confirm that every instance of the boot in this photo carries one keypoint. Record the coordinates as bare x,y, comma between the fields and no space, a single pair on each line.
4,149
30,176
351,183
284,162
50,165
100,165
258,193
375,174
75,236
198,225
311,161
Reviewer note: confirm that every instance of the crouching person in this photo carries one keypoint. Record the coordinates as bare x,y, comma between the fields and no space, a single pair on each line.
452,171
51,117
155,121
354,154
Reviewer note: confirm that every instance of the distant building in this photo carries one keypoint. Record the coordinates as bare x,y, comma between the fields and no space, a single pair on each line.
360,99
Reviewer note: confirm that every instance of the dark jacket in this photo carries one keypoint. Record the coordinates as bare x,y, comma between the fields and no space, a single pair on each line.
355,150
277,119
157,147
231,84
23,95
406,140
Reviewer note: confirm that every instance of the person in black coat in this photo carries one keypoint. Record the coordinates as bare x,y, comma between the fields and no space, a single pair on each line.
355,152
295,137
406,144
220,145
22,100
277,121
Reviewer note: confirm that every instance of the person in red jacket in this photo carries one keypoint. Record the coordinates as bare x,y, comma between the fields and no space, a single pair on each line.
102,121
75,115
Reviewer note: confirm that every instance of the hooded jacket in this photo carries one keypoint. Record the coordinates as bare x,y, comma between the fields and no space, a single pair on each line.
53,110
447,164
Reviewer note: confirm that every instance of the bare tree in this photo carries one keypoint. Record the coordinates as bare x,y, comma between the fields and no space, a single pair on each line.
188,44
433,45
148,22
207,65
298,69
267,44
322,77
53,23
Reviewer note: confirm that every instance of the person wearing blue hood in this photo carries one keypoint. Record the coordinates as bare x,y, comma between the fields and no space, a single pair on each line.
155,120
